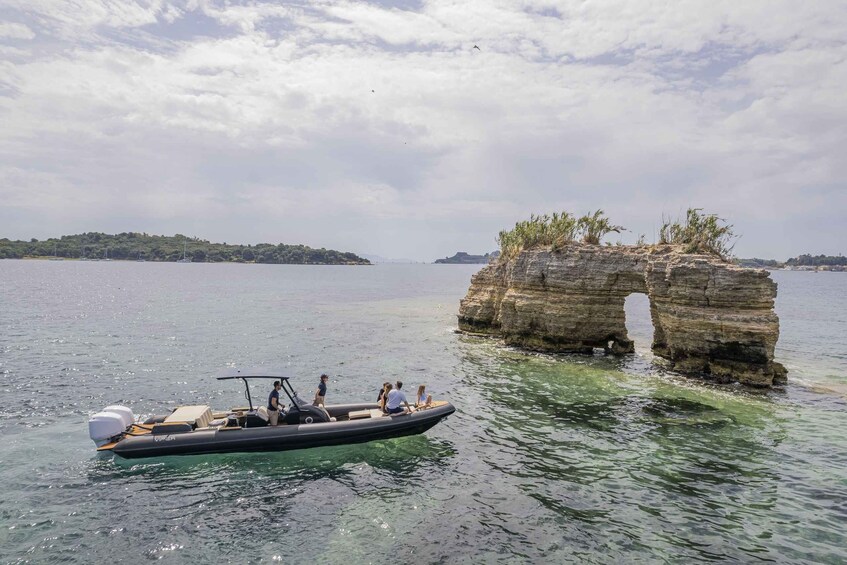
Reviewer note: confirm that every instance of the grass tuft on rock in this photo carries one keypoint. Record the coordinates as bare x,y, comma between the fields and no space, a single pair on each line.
699,233
556,230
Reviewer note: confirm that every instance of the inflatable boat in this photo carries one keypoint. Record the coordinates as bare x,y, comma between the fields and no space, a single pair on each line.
193,430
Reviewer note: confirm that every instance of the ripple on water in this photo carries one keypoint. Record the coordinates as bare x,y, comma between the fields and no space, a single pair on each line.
547,459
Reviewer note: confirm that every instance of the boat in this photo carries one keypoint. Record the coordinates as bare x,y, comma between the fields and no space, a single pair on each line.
185,258
195,430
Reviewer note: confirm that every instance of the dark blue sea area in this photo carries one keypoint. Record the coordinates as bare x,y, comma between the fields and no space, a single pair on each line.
548,459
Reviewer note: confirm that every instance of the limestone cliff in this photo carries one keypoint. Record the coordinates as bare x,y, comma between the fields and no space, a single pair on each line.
709,316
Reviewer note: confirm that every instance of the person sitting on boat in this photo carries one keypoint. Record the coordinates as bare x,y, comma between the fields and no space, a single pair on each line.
381,394
396,397
423,400
383,401
273,404
320,394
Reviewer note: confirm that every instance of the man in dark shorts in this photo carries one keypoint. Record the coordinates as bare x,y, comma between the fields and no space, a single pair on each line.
396,398
273,404
320,394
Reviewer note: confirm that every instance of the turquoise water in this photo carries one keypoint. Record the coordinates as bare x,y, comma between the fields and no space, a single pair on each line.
548,459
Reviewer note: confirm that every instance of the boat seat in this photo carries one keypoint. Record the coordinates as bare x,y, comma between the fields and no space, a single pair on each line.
198,416
328,417
256,419
357,414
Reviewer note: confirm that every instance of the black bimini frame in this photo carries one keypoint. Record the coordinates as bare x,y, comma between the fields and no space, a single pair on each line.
261,373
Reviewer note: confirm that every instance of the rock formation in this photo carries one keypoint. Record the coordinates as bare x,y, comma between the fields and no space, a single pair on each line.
709,316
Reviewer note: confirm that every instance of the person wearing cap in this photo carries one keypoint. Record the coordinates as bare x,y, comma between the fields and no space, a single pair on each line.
273,404
320,394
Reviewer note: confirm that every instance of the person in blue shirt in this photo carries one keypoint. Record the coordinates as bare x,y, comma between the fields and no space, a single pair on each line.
273,404
320,394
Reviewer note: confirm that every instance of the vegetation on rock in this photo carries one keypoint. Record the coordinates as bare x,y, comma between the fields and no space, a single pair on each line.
699,233
557,230
141,246
594,226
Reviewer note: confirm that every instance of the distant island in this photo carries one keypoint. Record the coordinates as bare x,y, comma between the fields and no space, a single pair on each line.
805,262
132,246
380,259
462,258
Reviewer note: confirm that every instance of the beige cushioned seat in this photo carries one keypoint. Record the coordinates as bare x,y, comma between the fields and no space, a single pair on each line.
199,416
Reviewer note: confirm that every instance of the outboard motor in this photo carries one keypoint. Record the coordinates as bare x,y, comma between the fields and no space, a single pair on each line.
125,413
109,424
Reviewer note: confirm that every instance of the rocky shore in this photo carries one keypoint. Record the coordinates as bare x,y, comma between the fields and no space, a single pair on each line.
709,316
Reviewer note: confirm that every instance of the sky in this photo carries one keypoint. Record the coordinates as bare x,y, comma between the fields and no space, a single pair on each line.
417,129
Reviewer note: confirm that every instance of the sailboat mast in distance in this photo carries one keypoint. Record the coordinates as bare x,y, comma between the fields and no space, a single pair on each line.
185,258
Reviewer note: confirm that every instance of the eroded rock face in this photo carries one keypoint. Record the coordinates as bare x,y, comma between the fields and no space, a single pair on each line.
709,316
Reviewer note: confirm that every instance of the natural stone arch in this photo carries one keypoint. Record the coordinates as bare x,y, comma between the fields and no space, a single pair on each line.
638,320
708,315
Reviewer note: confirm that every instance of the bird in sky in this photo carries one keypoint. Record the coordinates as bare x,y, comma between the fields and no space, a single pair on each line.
477,48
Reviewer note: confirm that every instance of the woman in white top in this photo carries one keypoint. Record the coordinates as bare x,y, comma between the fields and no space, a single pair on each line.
423,400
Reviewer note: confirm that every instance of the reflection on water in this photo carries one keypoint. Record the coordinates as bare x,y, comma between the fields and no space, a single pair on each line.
680,469
401,456
547,459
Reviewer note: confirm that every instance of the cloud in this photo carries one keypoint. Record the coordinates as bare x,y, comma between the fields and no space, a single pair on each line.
15,31
344,124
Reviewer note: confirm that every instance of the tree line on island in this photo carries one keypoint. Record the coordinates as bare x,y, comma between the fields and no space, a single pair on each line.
805,262
143,247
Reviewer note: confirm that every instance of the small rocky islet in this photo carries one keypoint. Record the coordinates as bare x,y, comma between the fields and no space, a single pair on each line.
710,316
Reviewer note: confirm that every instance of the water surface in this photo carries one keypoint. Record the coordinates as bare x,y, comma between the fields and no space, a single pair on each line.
548,458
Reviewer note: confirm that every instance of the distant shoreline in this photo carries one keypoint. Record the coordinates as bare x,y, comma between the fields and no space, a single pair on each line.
142,247
87,260
805,262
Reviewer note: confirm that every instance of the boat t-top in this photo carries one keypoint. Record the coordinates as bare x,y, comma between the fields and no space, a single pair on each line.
197,429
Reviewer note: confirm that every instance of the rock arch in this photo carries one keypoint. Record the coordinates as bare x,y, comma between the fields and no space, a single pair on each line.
709,316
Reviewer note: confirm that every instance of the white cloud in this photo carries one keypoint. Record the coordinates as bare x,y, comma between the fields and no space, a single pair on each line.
15,31
352,119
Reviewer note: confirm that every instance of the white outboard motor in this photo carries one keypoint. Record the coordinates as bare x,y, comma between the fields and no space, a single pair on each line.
103,426
124,412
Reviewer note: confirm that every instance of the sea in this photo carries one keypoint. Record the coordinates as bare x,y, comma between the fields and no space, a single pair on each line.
548,458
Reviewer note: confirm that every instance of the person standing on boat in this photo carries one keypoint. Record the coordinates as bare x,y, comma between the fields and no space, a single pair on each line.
396,397
273,404
320,394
